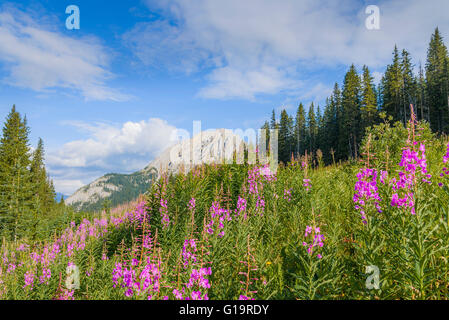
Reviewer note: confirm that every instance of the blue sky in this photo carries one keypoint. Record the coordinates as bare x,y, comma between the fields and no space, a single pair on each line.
105,97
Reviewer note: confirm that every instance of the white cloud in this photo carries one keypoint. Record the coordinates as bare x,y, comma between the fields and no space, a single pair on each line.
262,46
108,148
37,57
318,92
67,187
228,82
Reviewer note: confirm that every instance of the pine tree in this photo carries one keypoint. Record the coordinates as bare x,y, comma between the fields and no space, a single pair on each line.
436,83
351,112
273,123
285,137
422,109
42,185
369,101
312,129
409,87
16,192
266,127
391,88
300,130
320,134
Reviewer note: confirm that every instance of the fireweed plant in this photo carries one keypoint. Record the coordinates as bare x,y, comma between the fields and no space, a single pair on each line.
228,231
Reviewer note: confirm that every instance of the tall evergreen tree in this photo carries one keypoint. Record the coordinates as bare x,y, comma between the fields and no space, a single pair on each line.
422,108
16,190
266,127
409,87
300,130
42,185
273,123
369,101
351,112
391,87
436,83
285,137
312,129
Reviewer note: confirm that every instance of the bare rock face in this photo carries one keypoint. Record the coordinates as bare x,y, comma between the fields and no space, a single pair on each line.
217,146
211,146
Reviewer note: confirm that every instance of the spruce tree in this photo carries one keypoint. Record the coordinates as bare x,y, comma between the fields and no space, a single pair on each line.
369,101
300,130
285,125
42,185
351,112
409,87
266,127
391,87
436,83
273,123
16,190
312,129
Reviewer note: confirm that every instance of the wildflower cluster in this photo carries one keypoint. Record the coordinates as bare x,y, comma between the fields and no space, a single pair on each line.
241,207
138,281
196,283
188,252
73,239
307,183
288,194
445,170
317,241
366,191
218,217
163,209
414,165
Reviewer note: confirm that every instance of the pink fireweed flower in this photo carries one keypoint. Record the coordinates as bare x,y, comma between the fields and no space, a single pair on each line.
317,240
178,294
188,252
414,165
366,192
66,295
267,173
446,156
197,277
288,194
192,204
23,247
164,213
29,280
218,218
307,184
241,207
242,297
383,176
46,275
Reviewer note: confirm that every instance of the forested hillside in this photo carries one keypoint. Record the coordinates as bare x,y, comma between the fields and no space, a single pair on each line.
334,132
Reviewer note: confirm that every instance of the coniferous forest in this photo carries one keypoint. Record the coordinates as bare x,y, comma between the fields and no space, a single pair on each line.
357,103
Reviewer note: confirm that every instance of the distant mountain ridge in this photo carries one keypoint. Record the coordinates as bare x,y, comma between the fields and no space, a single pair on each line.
212,146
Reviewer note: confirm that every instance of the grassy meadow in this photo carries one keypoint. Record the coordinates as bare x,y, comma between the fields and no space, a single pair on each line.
307,231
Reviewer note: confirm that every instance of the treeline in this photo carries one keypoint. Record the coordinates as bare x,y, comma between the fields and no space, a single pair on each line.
26,192
336,133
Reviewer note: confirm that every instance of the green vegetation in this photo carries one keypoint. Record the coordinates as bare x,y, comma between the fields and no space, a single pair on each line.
256,230
130,187
358,104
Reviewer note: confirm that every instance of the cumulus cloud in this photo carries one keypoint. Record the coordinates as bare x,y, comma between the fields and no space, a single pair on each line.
39,58
263,46
108,148
230,82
